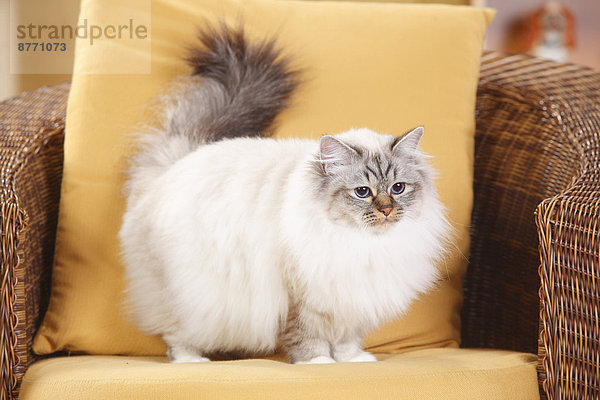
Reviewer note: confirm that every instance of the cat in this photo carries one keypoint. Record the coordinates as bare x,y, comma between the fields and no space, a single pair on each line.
237,242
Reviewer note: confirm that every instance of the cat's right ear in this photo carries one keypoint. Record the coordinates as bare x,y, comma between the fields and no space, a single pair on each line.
334,153
409,140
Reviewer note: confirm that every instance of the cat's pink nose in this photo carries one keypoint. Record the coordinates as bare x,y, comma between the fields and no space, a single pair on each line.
386,209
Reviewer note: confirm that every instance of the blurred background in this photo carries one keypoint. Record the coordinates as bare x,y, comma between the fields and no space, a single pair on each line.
566,30
563,30
56,12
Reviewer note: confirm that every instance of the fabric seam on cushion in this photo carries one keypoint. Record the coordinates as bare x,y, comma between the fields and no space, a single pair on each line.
503,370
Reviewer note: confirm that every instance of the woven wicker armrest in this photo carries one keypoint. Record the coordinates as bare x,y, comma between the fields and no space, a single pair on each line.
537,148
569,232
31,137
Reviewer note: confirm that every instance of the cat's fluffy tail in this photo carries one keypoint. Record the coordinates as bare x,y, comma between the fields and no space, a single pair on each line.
246,84
237,88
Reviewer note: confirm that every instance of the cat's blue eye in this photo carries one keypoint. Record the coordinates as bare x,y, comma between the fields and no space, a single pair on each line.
362,191
398,188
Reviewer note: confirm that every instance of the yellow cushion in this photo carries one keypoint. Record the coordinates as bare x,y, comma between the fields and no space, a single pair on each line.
389,67
424,374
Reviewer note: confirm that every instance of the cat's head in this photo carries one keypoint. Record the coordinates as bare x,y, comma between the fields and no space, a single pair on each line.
372,181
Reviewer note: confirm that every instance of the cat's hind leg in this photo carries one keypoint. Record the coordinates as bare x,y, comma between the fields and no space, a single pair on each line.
302,341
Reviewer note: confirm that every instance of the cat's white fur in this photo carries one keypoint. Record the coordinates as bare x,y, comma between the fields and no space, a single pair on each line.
218,244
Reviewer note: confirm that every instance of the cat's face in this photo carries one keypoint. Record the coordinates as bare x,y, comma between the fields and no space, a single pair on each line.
372,181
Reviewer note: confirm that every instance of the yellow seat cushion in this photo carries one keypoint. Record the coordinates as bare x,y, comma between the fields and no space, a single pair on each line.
389,67
424,374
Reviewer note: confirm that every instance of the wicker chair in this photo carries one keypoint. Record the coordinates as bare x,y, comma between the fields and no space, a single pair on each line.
537,145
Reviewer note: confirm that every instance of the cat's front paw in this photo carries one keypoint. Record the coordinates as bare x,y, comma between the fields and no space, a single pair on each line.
189,359
317,360
363,357
181,354
352,352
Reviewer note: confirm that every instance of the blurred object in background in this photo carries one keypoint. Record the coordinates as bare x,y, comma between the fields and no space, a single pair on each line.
565,30
550,32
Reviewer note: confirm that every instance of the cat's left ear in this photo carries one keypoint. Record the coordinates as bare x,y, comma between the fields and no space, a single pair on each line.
409,140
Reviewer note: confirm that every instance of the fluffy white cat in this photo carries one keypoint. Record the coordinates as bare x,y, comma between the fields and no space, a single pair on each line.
234,242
